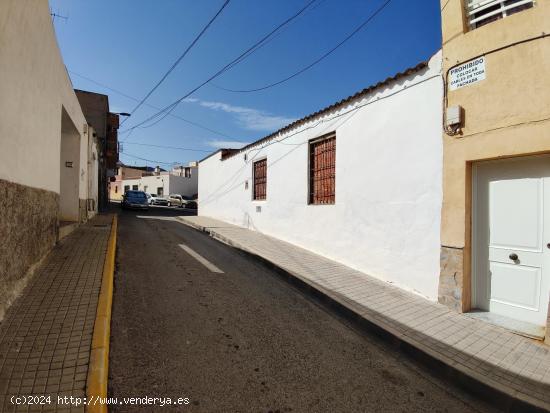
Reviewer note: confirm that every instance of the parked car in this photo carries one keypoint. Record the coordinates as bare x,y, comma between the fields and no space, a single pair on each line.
177,200
135,200
150,198
191,204
159,200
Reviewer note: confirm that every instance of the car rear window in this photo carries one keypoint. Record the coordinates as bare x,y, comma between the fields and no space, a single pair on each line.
135,195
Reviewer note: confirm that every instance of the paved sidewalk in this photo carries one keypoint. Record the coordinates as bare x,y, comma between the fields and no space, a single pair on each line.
46,336
511,364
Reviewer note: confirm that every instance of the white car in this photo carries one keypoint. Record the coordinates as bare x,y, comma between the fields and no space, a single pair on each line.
176,200
155,199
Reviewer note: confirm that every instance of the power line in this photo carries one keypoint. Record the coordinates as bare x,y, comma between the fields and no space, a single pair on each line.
148,104
149,160
167,147
195,40
275,35
168,109
251,147
318,60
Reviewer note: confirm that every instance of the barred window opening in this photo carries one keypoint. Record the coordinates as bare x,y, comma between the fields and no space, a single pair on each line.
482,12
260,180
322,173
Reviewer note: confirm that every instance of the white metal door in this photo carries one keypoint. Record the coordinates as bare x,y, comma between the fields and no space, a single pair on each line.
511,255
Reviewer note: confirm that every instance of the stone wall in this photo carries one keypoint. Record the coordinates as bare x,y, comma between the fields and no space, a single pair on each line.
28,228
451,279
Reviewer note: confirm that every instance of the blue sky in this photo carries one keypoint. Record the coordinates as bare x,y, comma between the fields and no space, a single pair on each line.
127,45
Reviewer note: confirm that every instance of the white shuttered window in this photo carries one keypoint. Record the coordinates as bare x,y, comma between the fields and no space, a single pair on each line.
481,12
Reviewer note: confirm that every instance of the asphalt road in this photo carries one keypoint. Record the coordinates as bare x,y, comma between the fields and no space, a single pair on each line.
245,340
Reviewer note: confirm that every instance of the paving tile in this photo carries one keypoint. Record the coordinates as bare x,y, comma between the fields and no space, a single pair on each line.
47,331
516,362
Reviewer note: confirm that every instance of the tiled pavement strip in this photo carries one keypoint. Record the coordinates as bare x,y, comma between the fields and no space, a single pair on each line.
46,336
512,364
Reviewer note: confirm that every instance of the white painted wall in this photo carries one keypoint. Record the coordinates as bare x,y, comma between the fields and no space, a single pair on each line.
70,176
93,171
132,182
34,86
386,219
184,186
172,184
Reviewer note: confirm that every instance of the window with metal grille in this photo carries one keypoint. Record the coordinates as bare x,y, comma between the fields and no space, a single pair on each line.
322,171
482,12
260,180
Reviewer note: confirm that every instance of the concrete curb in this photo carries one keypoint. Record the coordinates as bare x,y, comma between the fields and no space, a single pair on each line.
507,399
98,370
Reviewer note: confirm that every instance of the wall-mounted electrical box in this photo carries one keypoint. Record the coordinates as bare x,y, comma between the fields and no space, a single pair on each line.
454,116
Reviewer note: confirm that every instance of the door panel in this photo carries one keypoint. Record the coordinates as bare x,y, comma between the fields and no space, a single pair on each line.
523,281
511,262
516,213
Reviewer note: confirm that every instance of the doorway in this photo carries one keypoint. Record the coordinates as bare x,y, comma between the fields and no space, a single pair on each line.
69,170
511,242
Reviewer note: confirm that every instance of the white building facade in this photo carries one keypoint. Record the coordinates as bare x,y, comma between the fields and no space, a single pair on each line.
183,181
48,155
358,182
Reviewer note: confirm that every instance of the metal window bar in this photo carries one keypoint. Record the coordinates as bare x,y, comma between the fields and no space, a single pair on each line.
322,174
260,180
482,12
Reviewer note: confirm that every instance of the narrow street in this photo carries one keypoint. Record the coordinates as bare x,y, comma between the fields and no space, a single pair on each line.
244,340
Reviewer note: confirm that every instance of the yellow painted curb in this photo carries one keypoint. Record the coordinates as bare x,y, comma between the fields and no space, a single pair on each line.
98,369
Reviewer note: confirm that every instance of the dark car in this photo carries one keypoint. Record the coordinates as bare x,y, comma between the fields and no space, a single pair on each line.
191,204
135,200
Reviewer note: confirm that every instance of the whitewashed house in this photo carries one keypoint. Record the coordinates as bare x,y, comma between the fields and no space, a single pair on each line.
48,153
182,180
358,181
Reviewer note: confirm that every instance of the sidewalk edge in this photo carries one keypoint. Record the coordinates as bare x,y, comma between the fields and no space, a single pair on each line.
98,370
508,399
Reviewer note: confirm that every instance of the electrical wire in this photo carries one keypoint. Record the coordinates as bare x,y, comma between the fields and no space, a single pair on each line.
167,147
149,160
268,142
148,105
180,58
275,35
168,109
316,61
